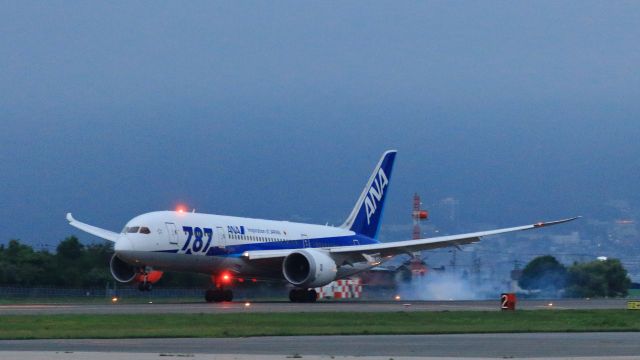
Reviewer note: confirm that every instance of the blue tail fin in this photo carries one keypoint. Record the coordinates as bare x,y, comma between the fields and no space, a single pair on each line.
366,216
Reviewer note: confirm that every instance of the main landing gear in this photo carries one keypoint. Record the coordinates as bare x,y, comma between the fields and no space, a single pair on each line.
303,295
218,295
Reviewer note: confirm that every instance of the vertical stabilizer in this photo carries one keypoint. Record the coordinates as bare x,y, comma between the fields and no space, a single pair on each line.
366,215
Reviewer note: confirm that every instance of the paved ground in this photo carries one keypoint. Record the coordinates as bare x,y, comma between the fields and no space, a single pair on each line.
603,345
197,308
50,355
537,345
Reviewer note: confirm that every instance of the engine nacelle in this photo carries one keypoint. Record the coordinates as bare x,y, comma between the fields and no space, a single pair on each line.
309,268
121,271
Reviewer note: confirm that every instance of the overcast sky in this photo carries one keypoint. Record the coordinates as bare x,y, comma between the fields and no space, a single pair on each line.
521,110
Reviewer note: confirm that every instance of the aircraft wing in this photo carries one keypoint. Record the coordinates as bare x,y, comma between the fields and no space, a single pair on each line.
101,233
366,252
409,246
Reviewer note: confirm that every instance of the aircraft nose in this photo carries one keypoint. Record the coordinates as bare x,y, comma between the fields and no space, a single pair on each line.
123,243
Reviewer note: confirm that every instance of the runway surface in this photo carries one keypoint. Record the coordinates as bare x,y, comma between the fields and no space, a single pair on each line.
467,345
351,306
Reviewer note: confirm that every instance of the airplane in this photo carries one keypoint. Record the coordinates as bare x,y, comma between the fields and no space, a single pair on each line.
305,255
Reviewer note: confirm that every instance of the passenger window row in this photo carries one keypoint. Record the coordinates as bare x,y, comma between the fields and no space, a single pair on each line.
255,238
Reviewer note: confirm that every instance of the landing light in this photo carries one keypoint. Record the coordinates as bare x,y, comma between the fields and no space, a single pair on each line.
114,299
247,304
397,297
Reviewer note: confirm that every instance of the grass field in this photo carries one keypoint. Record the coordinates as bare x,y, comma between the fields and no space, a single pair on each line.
634,293
264,324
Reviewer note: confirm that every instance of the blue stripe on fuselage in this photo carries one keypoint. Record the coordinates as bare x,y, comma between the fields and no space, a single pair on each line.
237,250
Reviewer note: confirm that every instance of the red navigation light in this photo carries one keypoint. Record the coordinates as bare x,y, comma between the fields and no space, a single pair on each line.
226,278
181,208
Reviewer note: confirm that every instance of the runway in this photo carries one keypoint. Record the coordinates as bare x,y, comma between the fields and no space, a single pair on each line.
287,307
538,345
605,345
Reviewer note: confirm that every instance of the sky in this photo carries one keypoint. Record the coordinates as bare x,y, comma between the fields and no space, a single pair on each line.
522,111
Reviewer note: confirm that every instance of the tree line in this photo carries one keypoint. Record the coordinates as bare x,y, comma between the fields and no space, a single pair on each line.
73,265
547,277
84,266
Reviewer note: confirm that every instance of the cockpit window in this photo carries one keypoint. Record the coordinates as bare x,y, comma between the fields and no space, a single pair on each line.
126,228
133,229
145,230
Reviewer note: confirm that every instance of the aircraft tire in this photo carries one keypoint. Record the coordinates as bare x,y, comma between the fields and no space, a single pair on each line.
312,295
210,295
293,295
227,295
302,295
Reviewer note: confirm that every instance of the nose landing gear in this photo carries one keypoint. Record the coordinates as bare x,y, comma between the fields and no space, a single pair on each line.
303,295
145,284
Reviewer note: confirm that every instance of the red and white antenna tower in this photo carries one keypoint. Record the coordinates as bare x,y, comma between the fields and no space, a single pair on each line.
416,264
418,214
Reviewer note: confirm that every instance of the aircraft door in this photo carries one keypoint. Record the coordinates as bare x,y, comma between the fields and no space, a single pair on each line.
172,233
220,237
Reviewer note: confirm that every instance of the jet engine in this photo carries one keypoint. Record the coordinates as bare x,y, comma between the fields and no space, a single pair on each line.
122,271
309,268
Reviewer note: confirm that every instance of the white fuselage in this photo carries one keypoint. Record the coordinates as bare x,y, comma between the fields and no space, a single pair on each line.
184,241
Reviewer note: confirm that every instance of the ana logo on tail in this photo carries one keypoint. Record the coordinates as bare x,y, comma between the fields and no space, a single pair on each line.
375,194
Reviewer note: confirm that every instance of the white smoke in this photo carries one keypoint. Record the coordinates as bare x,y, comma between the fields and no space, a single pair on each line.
448,286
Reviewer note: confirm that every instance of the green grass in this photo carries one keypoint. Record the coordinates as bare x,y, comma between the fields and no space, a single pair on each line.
264,324
634,293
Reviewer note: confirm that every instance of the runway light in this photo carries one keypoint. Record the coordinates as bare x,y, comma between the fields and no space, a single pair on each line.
397,297
114,299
